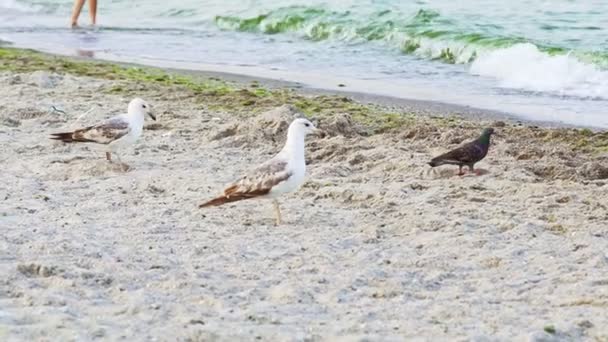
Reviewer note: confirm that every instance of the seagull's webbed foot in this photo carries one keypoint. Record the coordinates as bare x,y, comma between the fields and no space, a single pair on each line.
277,212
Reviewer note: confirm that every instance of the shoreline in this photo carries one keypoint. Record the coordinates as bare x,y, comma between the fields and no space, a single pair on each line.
252,95
265,77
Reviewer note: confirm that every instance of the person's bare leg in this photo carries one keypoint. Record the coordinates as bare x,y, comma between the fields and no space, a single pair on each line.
277,212
76,12
93,11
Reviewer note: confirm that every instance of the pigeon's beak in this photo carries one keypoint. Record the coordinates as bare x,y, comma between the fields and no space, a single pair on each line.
152,116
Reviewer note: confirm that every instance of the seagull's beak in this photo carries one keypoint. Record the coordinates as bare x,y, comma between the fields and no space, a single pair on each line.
152,116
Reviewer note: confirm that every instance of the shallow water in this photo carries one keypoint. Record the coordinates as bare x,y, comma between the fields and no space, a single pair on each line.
542,60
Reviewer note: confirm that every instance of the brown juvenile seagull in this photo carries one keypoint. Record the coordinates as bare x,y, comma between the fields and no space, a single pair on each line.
467,154
116,132
281,174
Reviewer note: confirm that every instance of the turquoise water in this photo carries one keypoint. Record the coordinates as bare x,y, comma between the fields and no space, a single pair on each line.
543,60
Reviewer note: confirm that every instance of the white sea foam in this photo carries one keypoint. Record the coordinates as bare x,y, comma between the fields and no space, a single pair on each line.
524,66
14,5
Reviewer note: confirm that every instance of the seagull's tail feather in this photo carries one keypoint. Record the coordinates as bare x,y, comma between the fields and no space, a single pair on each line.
227,199
218,201
232,194
65,137
68,137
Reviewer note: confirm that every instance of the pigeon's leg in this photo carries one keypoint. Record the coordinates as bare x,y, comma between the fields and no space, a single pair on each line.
472,170
109,156
277,212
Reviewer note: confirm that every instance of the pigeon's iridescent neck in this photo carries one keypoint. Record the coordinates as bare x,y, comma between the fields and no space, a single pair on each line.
484,139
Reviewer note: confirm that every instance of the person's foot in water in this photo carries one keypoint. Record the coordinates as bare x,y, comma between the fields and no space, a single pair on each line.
78,4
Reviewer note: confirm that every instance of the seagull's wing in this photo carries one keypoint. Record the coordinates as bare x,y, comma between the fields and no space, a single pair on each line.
103,133
257,183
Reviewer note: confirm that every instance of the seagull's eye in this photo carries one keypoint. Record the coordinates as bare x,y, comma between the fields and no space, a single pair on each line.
307,124
143,106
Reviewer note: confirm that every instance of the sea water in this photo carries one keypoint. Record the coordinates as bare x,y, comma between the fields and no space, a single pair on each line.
541,60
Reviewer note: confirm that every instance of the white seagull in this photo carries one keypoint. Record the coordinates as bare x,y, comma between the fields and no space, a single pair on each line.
119,131
282,174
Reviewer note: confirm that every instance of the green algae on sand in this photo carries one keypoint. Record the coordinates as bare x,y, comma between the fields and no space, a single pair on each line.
241,99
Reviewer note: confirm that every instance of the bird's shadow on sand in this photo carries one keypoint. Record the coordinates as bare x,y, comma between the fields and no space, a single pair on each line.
451,173
91,167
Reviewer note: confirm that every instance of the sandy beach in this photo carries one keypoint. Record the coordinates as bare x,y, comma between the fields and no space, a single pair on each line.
375,246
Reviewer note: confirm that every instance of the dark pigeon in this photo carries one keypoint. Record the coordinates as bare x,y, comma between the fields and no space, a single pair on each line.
467,154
